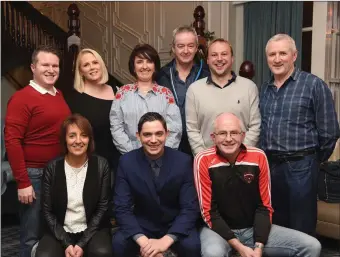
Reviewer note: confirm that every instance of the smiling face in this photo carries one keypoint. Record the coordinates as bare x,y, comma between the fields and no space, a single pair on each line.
228,135
46,69
77,141
185,47
281,58
152,137
90,68
220,59
144,69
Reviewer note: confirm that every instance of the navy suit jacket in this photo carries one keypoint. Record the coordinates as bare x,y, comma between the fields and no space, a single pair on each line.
155,206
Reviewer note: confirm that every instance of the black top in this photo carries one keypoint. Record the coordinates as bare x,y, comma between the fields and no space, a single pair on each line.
97,111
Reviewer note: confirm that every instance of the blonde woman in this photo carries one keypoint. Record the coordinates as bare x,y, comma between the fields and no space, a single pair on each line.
93,98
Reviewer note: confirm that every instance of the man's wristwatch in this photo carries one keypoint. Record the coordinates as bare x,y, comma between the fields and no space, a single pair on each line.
259,245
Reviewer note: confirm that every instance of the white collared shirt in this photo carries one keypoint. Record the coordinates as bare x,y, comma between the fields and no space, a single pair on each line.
42,90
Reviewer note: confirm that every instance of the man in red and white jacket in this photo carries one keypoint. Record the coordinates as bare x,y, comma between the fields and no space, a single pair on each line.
33,119
233,185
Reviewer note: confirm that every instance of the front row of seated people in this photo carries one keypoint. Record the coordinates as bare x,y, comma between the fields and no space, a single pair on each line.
155,198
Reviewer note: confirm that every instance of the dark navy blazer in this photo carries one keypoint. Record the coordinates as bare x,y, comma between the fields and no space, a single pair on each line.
155,206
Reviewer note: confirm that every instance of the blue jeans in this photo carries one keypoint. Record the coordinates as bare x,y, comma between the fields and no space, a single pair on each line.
282,242
294,187
30,216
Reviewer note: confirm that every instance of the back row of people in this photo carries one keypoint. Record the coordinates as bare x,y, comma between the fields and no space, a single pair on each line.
31,143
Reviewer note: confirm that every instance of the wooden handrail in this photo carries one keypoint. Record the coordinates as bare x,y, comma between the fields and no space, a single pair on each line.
25,28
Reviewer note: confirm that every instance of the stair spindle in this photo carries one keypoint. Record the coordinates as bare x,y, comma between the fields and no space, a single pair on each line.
8,28
18,23
12,24
23,31
29,24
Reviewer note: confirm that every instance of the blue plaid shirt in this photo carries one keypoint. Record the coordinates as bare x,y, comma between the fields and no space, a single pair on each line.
298,116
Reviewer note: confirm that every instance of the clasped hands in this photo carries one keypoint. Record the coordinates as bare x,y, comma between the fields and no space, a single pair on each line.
74,251
154,247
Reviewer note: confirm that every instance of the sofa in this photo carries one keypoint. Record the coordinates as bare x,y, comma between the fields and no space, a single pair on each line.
328,223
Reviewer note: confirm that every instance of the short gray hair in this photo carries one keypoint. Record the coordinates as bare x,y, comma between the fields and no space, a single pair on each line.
182,29
279,37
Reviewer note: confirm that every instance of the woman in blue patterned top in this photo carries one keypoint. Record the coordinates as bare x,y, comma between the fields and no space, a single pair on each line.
134,100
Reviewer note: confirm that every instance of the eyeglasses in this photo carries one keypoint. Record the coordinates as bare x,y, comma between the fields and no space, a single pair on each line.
224,134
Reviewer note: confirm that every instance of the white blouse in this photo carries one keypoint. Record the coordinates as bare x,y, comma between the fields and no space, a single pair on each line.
75,218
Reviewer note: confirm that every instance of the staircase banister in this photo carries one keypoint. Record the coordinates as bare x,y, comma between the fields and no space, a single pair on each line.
44,22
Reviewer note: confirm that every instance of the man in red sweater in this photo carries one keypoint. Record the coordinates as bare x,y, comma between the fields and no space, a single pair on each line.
33,119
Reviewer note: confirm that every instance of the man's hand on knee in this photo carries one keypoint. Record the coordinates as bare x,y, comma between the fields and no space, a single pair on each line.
156,247
26,195
243,250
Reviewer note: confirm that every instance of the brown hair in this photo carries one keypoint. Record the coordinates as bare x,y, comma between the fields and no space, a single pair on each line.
83,124
221,40
144,51
46,49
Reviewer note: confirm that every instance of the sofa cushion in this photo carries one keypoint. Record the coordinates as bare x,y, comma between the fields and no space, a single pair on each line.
329,212
328,223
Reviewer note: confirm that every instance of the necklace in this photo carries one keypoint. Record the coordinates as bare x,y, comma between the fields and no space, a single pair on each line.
79,169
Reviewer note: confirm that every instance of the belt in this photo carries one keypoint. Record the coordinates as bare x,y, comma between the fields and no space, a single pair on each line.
289,156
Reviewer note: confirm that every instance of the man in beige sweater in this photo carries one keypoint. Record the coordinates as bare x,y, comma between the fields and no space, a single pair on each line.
222,91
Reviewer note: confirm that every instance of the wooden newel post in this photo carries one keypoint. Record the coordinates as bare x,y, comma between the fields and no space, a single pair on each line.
73,20
199,25
73,41
247,70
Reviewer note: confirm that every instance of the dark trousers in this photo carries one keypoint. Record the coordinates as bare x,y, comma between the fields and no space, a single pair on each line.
98,246
294,192
184,247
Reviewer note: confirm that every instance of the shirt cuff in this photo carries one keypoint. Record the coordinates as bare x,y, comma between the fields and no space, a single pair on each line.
175,238
135,237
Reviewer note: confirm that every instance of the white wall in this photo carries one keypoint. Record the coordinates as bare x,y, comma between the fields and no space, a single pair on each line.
114,28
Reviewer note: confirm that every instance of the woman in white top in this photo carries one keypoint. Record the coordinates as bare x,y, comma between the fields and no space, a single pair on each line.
75,197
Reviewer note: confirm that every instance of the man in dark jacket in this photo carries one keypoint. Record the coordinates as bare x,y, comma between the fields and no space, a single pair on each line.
155,201
182,71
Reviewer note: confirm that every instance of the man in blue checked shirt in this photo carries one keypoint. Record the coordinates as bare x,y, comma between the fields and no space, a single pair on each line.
299,131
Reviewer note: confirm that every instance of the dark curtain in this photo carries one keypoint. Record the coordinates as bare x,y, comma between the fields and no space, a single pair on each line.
262,20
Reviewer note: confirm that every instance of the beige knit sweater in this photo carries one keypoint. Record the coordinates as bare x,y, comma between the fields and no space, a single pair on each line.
205,101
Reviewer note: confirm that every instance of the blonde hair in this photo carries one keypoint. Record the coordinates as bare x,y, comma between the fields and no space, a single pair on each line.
279,37
78,80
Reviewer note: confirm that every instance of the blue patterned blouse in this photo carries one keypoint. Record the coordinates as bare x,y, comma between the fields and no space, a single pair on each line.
130,105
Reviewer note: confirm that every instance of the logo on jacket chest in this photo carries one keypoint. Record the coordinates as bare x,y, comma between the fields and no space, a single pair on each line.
248,176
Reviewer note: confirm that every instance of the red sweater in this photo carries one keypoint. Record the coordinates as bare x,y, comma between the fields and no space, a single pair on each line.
32,127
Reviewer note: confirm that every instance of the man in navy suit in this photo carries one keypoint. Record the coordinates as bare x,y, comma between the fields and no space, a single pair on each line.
155,200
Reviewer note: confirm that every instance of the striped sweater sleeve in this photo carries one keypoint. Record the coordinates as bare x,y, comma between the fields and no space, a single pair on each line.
208,206
264,211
